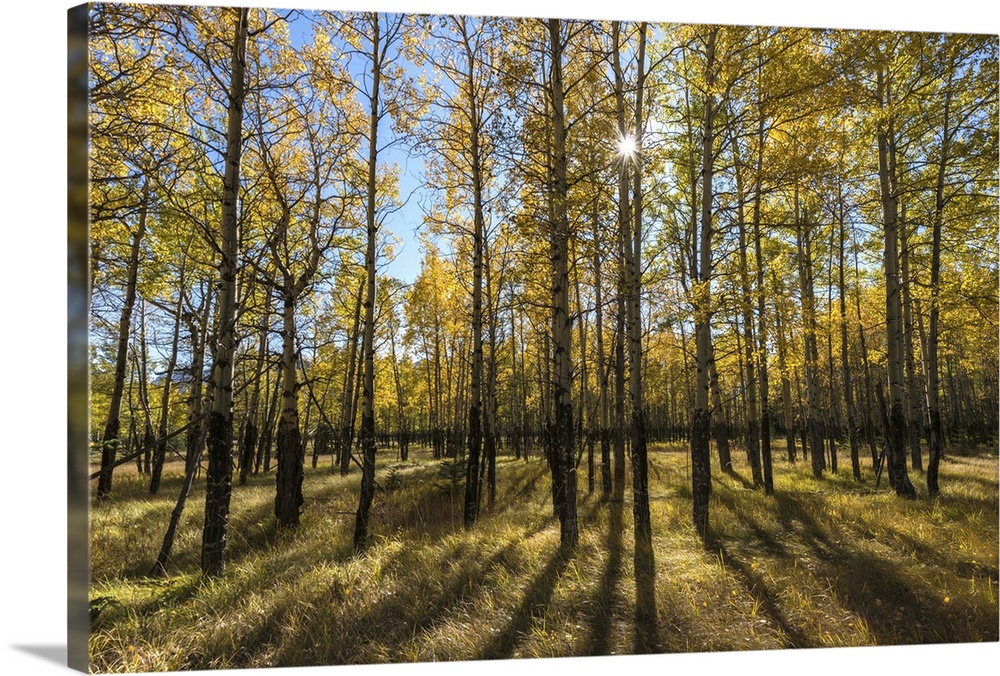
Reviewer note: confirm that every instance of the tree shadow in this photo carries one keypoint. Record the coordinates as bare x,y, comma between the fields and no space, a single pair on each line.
607,603
527,488
416,603
739,477
398,617
795,518
646,638
894,613
599,629
876,590
532,606
758,589
764,538
983,483
869,586
942,557
252,531
464,585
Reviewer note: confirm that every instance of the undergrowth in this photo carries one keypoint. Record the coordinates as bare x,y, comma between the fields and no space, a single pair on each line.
821,563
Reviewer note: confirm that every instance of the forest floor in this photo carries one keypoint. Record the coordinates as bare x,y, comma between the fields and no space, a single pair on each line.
821,563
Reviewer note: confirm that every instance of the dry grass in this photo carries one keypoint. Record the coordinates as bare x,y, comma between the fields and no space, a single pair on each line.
822,563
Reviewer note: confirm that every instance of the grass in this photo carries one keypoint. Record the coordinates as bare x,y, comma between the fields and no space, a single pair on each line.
820,564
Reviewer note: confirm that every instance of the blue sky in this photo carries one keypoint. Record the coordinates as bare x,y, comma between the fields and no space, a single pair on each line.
405,264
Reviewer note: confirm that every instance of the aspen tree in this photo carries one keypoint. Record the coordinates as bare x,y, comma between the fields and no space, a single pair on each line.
219,476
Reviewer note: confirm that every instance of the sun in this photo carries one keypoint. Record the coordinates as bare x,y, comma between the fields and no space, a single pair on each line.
627,146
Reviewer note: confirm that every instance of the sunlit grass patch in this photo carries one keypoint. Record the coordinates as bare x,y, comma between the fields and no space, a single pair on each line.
820,563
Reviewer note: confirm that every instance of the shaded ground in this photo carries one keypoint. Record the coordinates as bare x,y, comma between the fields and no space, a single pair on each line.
822,563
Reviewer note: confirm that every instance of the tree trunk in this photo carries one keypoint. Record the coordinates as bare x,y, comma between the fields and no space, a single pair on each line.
349,400
852,433
602,373
720,429
618,428
765,411
267,434
513,387
220,423
786,388
913,409
367,432
142,368
562,321
935,433
814,430
160,452
746,310
402,428
701,477
133,433
251,435
195,437
490,422
288,494
896,432
832,414
160,567
866,365
584,423
438,411
643,555
476,384
109,445
624,211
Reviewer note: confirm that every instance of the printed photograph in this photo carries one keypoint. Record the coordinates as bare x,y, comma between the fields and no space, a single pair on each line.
416,338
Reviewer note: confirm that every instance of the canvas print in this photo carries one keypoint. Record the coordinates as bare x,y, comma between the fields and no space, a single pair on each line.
416,338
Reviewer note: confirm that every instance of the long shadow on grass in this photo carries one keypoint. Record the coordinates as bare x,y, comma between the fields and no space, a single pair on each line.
739,477
764,538
646,640
530,481
425,504
413,603
752,581
945,558
875,589
107,611
865,584
464,585
757,587
246,535
533,605
279,600
253,530
950,478
599,629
